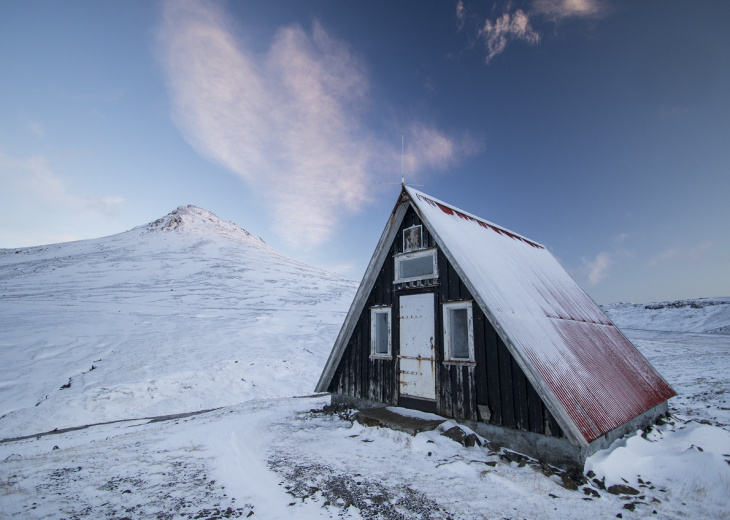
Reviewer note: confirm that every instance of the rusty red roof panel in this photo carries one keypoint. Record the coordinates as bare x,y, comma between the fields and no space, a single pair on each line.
563,341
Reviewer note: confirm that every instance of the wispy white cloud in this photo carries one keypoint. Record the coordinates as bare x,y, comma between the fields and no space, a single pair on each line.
508,27
36,128
288,121
34,180
15,233
427,148
518,25
596,269
675,253
34,198
460,15
555,10
621,238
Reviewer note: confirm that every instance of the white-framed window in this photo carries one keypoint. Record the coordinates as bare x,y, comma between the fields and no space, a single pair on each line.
380,332
458,332
413,238
419,265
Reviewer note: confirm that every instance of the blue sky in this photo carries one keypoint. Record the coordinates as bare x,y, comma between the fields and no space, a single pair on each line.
598,128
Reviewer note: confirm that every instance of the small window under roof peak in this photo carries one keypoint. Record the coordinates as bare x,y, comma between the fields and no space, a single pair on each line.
413,238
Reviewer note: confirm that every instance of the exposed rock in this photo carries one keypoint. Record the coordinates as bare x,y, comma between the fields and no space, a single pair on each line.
472,440
591,491
600,484
578,477
568,483
631,505
385,418
546,468
458,435
622,489
511,456
367,421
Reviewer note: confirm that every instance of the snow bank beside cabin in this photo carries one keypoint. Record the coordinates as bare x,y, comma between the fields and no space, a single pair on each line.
678,461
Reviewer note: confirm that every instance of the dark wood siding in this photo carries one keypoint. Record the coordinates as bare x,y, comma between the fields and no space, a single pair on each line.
358,375
494,381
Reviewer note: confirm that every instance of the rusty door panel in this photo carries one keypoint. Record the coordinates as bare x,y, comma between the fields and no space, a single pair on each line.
417,371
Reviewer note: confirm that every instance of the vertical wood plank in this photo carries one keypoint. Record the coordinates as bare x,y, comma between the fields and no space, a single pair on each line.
443,277
458,392
454,387
364,363
354,354
463,293
480,356
380,383
371,390
453,281
505,385
465,386
474,413
551,425
535,406
495,399
520,396
446,390
346,371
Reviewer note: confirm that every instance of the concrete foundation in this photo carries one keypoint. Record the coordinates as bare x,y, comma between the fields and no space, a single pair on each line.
560,452
386,419
356,402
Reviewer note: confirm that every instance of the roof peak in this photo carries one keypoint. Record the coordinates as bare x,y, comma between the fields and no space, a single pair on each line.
453,210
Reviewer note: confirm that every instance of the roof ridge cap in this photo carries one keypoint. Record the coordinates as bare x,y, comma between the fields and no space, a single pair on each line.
419,194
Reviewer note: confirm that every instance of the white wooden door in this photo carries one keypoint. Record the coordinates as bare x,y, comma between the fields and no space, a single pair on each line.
417,375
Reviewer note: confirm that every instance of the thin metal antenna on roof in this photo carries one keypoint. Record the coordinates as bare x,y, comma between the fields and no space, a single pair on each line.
402,174
402,165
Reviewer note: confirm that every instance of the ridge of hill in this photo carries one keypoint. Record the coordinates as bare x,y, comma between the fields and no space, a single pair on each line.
193,219
702,315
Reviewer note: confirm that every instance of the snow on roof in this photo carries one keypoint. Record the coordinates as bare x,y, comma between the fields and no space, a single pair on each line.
568,348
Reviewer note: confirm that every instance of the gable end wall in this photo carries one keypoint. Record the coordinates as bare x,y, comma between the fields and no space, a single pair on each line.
495,381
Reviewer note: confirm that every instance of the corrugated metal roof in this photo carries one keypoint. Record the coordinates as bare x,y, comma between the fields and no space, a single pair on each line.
591,376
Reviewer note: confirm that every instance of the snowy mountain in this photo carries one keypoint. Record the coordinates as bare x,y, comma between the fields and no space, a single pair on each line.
188,312
704,315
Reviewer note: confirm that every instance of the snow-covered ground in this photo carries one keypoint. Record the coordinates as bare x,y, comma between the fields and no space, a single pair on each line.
704,315
186,313
191,315
688,341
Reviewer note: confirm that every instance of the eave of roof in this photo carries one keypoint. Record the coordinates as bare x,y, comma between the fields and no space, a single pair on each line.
363,291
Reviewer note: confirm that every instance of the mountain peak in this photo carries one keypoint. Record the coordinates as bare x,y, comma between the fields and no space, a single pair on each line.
194,219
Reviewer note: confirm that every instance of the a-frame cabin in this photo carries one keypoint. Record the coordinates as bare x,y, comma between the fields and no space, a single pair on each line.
461,317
